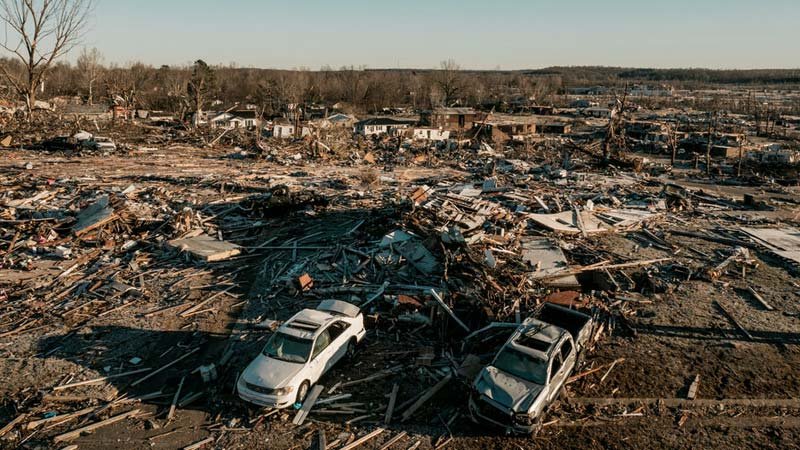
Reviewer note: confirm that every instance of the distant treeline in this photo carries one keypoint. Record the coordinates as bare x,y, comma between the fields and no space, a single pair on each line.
615,75
361,90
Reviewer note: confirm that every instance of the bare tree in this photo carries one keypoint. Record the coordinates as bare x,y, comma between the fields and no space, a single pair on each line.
90,66
45,30
712,130
201,86
448,79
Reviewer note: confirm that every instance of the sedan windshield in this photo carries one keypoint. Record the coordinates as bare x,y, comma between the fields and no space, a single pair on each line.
287,348
522,366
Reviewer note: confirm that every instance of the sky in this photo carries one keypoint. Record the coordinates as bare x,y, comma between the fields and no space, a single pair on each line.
477,34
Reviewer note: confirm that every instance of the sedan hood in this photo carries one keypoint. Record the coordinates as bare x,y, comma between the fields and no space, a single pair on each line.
513,393
271,373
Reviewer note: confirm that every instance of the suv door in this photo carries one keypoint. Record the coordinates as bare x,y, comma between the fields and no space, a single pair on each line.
558,371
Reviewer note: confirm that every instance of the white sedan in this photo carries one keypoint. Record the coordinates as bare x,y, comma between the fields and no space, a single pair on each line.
300,352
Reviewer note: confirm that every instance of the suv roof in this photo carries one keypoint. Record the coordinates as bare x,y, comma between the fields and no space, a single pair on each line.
536,338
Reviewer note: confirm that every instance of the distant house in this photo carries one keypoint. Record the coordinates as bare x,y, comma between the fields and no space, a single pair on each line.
381,125
431,134
453,119
236,119
339,120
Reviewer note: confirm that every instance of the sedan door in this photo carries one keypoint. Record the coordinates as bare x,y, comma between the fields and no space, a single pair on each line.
320,354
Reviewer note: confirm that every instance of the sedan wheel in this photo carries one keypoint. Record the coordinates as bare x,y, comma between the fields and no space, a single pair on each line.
351,349
302,392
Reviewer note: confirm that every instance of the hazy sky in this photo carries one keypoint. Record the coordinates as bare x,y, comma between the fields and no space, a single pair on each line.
480,34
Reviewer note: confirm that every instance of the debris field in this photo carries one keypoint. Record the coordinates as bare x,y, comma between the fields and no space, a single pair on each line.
136,286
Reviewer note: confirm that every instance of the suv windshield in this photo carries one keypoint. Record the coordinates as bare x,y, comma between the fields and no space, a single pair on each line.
521,365
287,348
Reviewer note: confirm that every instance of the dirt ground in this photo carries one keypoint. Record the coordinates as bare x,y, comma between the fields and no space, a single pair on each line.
672,332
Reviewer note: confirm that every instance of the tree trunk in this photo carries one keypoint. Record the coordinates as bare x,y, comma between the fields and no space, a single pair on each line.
91,98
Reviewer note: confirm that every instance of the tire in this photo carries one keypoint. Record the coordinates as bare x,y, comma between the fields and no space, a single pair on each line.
351,349
302,392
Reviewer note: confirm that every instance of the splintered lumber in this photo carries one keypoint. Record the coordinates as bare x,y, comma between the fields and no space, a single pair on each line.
311,398
394,440
415,446
448,310
206,247
70,435
392,401
94,216
60,418
177,395
362,439
199,444
426,396
10,425
610,366
734,321
164,367
592,267
101,379
678,402
760,299
693,388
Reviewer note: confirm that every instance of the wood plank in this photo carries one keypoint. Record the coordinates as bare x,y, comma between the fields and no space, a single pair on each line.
394,440
448,310
199,444
392,400
311,398
68,436
9,426
174,403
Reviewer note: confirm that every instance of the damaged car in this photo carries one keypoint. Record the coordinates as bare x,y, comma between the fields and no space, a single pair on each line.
529,371
299,352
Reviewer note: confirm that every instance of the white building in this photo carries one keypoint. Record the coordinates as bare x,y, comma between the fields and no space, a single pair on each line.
287,131
431,134
380,125
235,119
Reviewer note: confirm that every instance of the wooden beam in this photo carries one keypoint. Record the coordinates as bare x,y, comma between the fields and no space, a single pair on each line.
448,310
101,379
164,367
394,440
392,400
363,439
172,406
427,396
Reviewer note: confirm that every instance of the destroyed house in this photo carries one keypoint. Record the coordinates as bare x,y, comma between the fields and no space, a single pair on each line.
555,128
504,131
99,111
381,125
453,119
